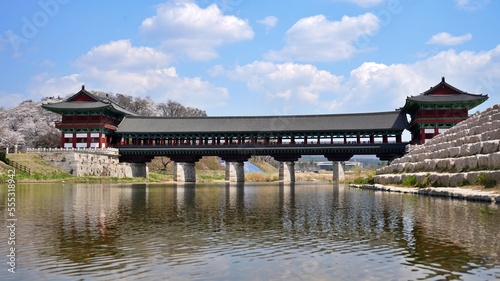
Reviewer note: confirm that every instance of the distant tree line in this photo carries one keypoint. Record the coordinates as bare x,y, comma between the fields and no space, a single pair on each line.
29,125
147,107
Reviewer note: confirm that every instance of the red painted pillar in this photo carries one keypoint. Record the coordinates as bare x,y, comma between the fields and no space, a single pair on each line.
305,139
345,139
398,139
62,139
89,139
372,139
385,139
422,136
319,140
100,139
74,140
358,139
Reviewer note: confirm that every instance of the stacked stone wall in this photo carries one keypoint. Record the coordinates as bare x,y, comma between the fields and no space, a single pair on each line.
82,163
460,156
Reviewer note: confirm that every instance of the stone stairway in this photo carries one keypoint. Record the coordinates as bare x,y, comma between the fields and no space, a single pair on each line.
466,154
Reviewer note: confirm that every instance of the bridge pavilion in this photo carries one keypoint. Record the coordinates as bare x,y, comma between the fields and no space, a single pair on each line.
438,109
89,121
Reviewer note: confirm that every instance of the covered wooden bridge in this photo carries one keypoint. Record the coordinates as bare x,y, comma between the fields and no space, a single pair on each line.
235,139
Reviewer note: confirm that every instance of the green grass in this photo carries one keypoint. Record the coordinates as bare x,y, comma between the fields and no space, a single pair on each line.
483,180
211,175
364,180
410,181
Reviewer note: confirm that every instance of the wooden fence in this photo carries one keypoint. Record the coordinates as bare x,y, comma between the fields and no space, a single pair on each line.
14,164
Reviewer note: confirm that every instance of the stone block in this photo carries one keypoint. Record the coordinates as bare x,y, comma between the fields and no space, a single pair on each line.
464,150
442,164
472,162
494,160
429,165
453,152
494,175
483,162
494,125
461,164
489,146
475,148
456,180
443,179
472,176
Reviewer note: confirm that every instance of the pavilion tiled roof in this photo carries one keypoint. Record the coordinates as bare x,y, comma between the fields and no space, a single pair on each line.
452,95
99,103
386,121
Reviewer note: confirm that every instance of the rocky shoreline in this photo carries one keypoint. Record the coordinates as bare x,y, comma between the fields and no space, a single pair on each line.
449,192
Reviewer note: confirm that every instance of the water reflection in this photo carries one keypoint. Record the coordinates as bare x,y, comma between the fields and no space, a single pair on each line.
250,232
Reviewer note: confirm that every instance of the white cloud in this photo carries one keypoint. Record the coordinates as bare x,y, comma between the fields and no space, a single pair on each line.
318,39
389,85
363,3
302,88
139,71
184,27
471,4
287,84
269,21
444,38
122,55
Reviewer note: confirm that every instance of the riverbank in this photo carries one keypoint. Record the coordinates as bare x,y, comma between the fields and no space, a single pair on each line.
469,194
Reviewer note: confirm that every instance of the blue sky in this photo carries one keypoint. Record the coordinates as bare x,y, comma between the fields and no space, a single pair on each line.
241,57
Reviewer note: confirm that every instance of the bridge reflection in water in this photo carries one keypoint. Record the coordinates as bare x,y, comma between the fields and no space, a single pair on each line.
251,232
286,138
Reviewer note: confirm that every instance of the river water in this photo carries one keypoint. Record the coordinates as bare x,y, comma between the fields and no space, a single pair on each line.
251,232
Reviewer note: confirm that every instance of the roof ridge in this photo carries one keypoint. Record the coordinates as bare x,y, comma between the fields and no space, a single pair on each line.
397,111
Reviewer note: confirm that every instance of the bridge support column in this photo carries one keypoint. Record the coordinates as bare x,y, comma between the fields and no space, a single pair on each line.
338,171
184,172
287,171
287,166
184,167
235,171
338,168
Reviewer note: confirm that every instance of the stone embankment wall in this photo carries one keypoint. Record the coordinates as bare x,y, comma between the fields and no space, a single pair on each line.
91,162
465,154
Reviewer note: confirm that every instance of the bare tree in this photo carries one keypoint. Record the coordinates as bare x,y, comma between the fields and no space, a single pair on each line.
175,109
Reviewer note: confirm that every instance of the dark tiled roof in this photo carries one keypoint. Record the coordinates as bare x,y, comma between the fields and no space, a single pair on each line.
394,120
100,103
447,98
455,94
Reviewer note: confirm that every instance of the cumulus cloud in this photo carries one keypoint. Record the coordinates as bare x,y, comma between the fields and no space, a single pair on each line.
372,86
363,3
389,85
471,4
122,55
139,71
444,38
287,83
318,39
269,21
184,27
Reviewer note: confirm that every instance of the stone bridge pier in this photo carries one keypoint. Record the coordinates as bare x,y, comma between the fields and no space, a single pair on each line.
287,167
235,167
184,168
338,168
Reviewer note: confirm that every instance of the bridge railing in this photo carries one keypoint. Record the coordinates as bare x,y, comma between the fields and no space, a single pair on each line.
262,144
92,150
